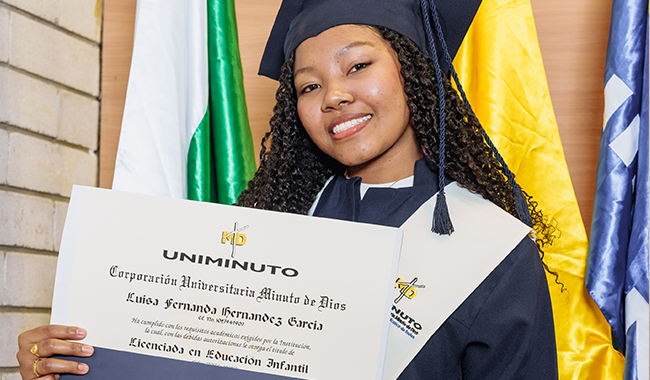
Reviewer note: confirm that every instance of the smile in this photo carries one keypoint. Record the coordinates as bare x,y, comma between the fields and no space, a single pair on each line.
350,123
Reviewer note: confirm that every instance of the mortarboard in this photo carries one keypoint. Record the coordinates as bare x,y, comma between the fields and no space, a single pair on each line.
298,20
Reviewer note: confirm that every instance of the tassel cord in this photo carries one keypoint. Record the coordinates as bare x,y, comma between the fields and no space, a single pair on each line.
441,219
521,204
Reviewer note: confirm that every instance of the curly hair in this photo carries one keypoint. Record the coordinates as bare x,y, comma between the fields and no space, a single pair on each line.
293,169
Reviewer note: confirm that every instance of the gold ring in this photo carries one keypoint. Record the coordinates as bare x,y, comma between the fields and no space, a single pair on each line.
34,350
34,368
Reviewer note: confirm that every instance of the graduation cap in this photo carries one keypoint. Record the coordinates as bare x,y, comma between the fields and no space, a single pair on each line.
298,20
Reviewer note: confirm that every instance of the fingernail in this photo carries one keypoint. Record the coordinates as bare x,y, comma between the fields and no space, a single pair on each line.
86,349
83,367
57,376
81,332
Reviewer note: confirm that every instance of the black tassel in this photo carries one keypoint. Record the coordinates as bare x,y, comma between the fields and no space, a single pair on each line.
521,203
441,221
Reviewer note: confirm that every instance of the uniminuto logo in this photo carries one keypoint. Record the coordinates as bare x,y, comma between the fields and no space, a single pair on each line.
407,289
234,238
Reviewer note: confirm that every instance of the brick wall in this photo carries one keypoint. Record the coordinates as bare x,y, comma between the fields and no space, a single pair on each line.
49,122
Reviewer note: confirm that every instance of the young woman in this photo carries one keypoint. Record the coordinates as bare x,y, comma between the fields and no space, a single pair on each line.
356,136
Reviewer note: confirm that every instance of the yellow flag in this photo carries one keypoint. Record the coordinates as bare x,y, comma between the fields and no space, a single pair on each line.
500,67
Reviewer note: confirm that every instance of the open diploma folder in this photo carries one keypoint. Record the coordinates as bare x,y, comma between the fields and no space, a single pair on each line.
177,289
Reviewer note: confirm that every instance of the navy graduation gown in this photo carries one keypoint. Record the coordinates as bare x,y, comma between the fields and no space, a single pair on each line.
503,330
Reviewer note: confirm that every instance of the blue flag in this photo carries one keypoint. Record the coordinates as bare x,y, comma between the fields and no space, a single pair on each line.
617,267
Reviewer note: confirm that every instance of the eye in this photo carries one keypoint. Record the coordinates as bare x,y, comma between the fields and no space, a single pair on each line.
309,88
359,66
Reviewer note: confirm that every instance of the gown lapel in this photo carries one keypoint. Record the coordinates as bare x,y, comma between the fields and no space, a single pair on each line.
341,199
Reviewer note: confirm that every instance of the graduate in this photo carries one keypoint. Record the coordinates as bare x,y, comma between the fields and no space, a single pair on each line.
367,128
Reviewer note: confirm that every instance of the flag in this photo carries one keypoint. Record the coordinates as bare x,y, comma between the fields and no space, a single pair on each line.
185,131
501,69
617,269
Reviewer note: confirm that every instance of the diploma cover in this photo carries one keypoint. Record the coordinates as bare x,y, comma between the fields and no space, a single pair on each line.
172,288
437,272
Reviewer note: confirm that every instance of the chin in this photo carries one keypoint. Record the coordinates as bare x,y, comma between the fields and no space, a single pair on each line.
356,162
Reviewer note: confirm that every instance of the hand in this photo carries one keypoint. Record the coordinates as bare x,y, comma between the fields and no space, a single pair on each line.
51,340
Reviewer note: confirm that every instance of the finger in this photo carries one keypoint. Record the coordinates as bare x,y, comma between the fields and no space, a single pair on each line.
56,366
49,347
28,373
27,339
49,377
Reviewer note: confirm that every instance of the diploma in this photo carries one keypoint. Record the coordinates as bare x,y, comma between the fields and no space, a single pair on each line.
170,287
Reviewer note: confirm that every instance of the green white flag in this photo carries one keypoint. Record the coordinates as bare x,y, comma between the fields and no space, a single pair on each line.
185,131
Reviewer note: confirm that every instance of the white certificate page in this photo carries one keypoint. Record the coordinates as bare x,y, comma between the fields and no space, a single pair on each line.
260,293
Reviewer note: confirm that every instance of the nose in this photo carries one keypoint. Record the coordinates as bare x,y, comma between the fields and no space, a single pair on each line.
335,96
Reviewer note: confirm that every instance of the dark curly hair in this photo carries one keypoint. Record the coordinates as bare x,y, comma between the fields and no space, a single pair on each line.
293,169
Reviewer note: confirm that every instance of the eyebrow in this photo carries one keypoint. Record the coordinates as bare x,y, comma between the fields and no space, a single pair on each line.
302,70
354,44
338,54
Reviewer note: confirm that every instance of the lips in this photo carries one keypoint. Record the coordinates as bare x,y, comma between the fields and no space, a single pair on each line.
344,126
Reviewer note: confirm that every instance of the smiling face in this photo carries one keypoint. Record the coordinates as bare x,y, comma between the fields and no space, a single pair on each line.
352,104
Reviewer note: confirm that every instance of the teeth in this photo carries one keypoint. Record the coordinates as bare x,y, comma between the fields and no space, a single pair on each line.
349,124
